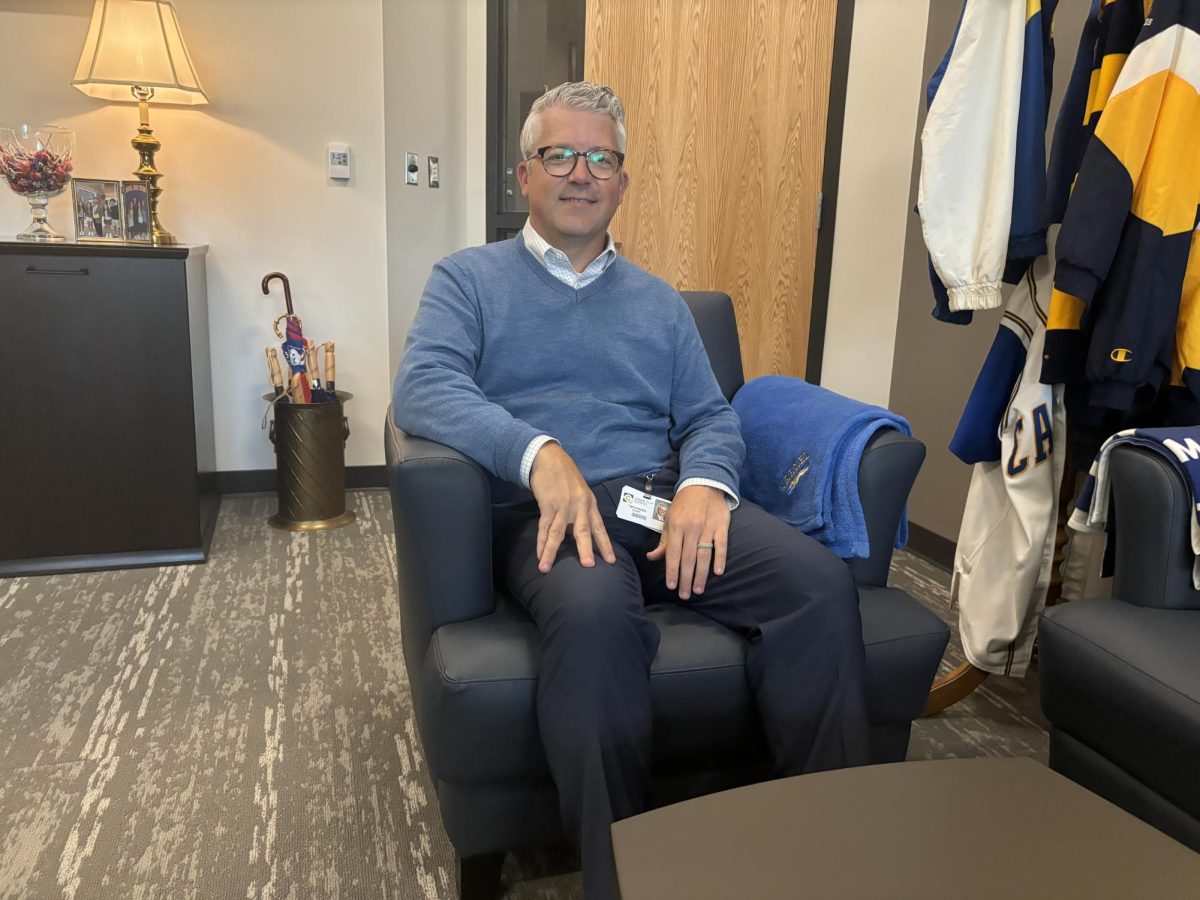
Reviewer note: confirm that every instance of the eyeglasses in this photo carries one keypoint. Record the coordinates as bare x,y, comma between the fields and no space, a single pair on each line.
560,161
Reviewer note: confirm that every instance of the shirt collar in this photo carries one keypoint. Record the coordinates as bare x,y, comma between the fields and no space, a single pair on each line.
539,246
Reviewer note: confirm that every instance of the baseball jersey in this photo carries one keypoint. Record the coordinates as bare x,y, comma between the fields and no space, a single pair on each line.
1005,549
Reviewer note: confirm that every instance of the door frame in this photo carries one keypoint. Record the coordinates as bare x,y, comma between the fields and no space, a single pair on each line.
497,220
830,174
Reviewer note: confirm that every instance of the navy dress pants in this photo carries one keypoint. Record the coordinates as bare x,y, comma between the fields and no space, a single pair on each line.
792,599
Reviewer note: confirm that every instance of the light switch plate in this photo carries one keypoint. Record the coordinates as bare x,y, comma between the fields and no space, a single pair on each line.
434,178
412,167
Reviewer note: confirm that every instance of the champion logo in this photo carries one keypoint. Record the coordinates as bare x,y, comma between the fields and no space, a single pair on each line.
1121,355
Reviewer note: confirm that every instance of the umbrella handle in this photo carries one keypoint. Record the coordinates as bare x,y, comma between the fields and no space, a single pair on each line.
275,325
275,370
287,288
310,359
295,389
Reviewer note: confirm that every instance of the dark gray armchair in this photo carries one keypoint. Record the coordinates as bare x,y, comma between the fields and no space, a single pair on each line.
1121,676
472,654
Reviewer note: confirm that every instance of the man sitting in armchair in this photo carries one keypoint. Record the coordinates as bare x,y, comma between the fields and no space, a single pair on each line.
579,382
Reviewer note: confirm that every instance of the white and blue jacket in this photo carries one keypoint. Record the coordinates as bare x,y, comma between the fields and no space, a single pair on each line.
982,192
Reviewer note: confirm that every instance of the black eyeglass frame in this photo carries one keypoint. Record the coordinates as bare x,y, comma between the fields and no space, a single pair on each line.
541,151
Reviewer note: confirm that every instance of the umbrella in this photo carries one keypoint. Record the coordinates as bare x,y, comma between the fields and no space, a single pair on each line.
322,391
293,352
304,384
299,386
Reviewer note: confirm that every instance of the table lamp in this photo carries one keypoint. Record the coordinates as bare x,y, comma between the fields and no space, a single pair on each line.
135,52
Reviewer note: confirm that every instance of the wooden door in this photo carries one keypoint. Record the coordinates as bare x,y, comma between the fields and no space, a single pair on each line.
726,103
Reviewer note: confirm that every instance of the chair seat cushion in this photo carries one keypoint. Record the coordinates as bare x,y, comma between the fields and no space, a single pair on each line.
479,684
1124,680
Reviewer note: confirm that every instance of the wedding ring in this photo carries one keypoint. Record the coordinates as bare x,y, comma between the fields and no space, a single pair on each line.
704,546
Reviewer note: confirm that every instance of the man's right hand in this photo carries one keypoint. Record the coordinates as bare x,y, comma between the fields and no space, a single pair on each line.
565,501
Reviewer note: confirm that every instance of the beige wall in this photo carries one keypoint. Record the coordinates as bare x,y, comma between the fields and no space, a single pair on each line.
934,364
435,104
882,97
246,174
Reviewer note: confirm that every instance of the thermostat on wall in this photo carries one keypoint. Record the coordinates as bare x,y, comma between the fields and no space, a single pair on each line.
339,161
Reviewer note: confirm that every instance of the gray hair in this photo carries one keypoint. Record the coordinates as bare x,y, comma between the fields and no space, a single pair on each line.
585,95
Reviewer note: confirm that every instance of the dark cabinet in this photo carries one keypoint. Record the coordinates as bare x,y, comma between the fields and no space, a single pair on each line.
106,426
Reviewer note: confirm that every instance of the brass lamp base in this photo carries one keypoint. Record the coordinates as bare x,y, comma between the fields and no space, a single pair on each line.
160,237
146,144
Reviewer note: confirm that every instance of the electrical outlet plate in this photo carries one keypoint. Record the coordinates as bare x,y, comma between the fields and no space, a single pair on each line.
412,167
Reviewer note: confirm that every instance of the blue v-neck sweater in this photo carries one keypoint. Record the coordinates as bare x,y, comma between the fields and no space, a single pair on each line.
501,352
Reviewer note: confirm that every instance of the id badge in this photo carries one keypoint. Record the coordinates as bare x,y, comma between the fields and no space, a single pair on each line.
642,508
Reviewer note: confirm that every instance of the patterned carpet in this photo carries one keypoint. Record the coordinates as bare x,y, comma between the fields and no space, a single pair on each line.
244,728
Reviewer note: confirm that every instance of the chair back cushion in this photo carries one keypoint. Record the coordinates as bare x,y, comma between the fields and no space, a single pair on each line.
713,312
1154,558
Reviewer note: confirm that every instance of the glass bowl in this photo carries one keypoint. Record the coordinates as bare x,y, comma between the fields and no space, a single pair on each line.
36,162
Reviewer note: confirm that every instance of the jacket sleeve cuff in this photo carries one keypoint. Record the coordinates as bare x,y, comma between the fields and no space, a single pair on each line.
985,295
1112,395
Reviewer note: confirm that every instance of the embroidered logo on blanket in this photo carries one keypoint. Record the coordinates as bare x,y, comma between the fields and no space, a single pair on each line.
797,471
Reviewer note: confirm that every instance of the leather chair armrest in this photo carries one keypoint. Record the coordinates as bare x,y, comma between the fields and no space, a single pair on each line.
441,504
889,467
1153,510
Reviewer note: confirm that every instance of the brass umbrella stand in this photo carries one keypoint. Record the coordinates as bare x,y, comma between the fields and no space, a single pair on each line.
309,429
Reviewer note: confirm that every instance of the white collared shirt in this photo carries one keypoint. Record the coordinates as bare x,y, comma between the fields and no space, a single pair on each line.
559,265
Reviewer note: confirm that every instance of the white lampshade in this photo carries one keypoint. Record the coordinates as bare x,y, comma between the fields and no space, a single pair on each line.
137,43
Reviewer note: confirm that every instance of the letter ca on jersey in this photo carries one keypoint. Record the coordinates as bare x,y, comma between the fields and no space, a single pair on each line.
1042,442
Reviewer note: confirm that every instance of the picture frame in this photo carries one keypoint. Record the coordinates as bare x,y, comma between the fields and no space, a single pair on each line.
135,210
96,204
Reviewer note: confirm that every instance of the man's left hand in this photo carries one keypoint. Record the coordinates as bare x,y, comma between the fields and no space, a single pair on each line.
695,537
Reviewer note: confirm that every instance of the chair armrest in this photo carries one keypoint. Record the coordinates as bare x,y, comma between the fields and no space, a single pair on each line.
1153,509
441,505
889,467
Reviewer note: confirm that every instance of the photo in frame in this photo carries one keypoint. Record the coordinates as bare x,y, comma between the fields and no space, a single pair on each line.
135,206
97,206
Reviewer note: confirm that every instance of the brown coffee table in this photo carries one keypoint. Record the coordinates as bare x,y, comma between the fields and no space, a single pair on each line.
955,828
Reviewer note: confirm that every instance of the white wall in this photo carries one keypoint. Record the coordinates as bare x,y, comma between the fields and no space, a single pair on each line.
435,102
246,174
884,89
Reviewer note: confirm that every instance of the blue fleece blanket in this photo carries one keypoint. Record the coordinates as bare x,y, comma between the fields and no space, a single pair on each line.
803,447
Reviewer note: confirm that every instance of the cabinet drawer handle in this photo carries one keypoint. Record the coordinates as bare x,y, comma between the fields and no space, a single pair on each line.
34,270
